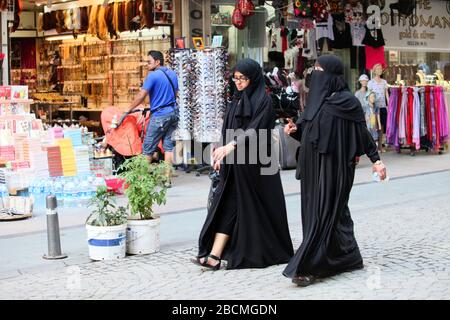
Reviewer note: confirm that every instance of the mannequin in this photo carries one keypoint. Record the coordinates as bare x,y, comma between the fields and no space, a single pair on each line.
439,75
421,77
380,87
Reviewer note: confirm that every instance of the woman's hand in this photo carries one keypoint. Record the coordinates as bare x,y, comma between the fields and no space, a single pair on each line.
380,169
290,127
216,166
221,153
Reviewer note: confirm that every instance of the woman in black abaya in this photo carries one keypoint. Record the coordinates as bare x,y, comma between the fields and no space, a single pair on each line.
247,221
332,133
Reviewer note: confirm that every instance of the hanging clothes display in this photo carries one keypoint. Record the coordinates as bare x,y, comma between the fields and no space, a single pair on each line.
415,115
202,93
341,32
374,42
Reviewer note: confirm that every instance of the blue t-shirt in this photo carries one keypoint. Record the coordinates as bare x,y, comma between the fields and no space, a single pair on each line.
162,99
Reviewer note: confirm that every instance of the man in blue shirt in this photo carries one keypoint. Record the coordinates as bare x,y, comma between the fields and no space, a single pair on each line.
161,84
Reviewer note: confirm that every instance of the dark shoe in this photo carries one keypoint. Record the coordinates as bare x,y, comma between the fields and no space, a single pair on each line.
206,264
304,281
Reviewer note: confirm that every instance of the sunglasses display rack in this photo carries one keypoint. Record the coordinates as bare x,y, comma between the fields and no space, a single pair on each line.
181,63
209,93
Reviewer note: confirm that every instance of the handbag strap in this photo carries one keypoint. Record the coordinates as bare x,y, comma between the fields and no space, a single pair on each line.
171,83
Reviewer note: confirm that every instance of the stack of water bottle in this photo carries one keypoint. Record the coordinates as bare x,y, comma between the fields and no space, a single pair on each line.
70,192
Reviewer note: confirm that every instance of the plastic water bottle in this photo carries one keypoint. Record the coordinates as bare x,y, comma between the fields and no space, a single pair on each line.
376,177
69,189
99,182
3,194
84,193
58,189
38,192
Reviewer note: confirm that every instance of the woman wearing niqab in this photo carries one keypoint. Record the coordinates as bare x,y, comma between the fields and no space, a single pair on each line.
332,133
246,223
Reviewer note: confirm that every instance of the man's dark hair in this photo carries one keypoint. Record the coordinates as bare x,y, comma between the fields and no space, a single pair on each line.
157,55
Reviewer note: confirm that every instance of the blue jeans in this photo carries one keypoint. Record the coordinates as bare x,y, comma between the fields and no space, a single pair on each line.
160,127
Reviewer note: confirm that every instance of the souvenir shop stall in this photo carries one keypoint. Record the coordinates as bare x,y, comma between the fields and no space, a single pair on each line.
202,97
36,160
89,55
300,31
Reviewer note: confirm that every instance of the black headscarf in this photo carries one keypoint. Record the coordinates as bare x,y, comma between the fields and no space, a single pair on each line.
252,96
334,102
324,84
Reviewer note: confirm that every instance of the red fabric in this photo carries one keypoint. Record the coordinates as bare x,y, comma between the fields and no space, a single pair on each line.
284,40
428,114
374,56
399,105
28,54
437,115
246,7
410,114
238,19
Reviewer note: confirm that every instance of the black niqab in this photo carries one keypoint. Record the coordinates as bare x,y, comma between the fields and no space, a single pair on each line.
324,84
333,135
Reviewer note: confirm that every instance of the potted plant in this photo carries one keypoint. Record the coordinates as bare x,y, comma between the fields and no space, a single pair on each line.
145,185
106,227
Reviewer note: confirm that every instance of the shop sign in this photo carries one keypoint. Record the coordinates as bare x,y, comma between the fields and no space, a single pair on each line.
427,28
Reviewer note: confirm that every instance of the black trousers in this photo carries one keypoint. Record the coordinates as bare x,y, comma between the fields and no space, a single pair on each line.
227,213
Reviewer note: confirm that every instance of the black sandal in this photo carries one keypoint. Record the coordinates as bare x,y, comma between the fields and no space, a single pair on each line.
304,281
206,264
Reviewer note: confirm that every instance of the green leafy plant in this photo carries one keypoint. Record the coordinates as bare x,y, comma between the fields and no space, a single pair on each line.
145,184
105,212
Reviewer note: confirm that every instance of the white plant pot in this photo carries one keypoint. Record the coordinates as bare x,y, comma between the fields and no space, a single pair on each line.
143,236
106,243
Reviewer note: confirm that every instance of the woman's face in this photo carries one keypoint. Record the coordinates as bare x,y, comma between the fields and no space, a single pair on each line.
241,81
317,67
378,70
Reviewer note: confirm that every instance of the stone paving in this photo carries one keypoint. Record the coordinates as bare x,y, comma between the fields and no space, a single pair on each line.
406,250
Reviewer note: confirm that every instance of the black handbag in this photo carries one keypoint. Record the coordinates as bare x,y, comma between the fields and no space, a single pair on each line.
214,189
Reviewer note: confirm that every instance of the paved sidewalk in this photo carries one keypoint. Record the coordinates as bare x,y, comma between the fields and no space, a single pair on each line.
401,227
189,192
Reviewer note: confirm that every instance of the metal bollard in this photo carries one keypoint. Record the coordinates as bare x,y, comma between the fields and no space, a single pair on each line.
54,243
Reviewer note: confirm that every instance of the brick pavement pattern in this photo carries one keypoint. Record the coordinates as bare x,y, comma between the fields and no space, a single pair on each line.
406,252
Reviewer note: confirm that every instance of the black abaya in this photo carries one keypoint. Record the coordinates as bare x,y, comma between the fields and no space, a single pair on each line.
330,141
260,235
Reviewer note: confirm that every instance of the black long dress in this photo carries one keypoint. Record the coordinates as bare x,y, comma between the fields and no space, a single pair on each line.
329,144
260,236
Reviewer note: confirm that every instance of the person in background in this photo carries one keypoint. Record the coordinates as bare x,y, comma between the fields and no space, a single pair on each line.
362,92
380,86
247,221
161,85
361,95
372,114
332,131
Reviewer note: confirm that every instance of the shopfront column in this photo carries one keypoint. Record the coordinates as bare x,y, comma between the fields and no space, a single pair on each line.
196,20
5,47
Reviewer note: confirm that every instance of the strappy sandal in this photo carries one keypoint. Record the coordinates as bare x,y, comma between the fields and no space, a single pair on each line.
206,264
304,281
